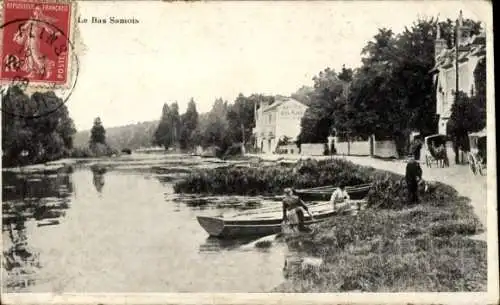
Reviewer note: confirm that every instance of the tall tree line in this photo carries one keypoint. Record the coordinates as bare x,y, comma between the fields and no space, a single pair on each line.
391,94
225,125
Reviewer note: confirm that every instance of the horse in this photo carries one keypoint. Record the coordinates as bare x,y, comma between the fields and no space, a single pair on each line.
440,155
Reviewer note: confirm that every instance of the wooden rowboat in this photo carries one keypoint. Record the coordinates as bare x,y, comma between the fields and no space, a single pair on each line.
260,224
324,193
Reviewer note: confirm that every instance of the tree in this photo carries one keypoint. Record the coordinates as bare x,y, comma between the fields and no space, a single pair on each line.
216,130
319,117
304,95
174,122
162,135
97,133
33,140
393,92
241,117
189,122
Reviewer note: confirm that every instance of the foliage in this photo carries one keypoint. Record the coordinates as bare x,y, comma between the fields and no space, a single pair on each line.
167,132
131,136
325,101
241,117
305,95
189,122
34,140
467,115
97,133
97,143
256,180
391,94
215,131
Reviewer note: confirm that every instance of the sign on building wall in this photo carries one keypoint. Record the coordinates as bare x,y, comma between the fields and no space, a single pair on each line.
292,112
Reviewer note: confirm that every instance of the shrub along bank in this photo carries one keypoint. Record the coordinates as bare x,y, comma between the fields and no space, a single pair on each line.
271,180
389,247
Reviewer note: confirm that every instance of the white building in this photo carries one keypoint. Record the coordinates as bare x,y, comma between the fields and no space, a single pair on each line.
472,51
276,121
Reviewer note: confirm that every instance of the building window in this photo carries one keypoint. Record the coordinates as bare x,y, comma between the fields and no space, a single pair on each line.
270,116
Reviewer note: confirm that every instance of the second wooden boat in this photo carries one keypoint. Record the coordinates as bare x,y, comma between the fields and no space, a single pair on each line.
323,193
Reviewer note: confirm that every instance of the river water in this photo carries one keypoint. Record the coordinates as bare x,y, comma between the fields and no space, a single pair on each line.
123,230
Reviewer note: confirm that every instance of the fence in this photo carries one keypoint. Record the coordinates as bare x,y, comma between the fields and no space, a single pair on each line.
383,149
353,148
290,149
312,149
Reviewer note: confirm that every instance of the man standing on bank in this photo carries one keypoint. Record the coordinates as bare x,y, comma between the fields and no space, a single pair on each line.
293,211
413,176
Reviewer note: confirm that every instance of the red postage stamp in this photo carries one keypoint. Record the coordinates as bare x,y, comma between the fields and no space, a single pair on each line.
36,44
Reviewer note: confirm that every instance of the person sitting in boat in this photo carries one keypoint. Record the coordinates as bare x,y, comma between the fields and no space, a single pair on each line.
339,196
293,210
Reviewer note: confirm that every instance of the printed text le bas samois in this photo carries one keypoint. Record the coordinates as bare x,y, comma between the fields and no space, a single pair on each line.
108,20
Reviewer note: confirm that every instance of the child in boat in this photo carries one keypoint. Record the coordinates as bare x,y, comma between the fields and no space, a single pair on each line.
338,196
293,210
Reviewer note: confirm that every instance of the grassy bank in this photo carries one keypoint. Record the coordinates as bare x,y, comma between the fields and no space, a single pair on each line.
389,247
271,180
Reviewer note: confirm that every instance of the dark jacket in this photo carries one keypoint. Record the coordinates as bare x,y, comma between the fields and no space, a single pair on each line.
413,170
291,202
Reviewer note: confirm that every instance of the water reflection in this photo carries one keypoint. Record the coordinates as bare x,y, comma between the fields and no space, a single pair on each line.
40,197
20,261
214,244
98,180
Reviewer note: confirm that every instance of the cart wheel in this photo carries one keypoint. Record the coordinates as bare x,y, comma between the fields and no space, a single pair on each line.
472,164
481,169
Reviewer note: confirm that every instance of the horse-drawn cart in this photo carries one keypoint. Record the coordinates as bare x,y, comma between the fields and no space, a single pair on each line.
477,153
435,150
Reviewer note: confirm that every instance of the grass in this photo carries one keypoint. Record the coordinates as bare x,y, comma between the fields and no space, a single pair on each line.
412,249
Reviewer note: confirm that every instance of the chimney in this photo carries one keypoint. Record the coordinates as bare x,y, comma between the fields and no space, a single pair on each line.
463,31
439,43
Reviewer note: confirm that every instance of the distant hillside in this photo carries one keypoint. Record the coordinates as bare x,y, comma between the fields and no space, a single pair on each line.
129,136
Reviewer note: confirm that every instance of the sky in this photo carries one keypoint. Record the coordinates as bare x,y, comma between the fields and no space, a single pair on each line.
207,50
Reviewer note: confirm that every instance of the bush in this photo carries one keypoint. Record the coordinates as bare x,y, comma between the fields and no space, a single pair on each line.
390,191
271,180
81,152
94,151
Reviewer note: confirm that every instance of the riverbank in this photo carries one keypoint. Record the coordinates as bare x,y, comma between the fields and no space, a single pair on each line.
389,247
418,249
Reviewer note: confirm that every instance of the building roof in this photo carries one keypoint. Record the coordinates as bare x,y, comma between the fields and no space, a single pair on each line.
475,46
280,101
